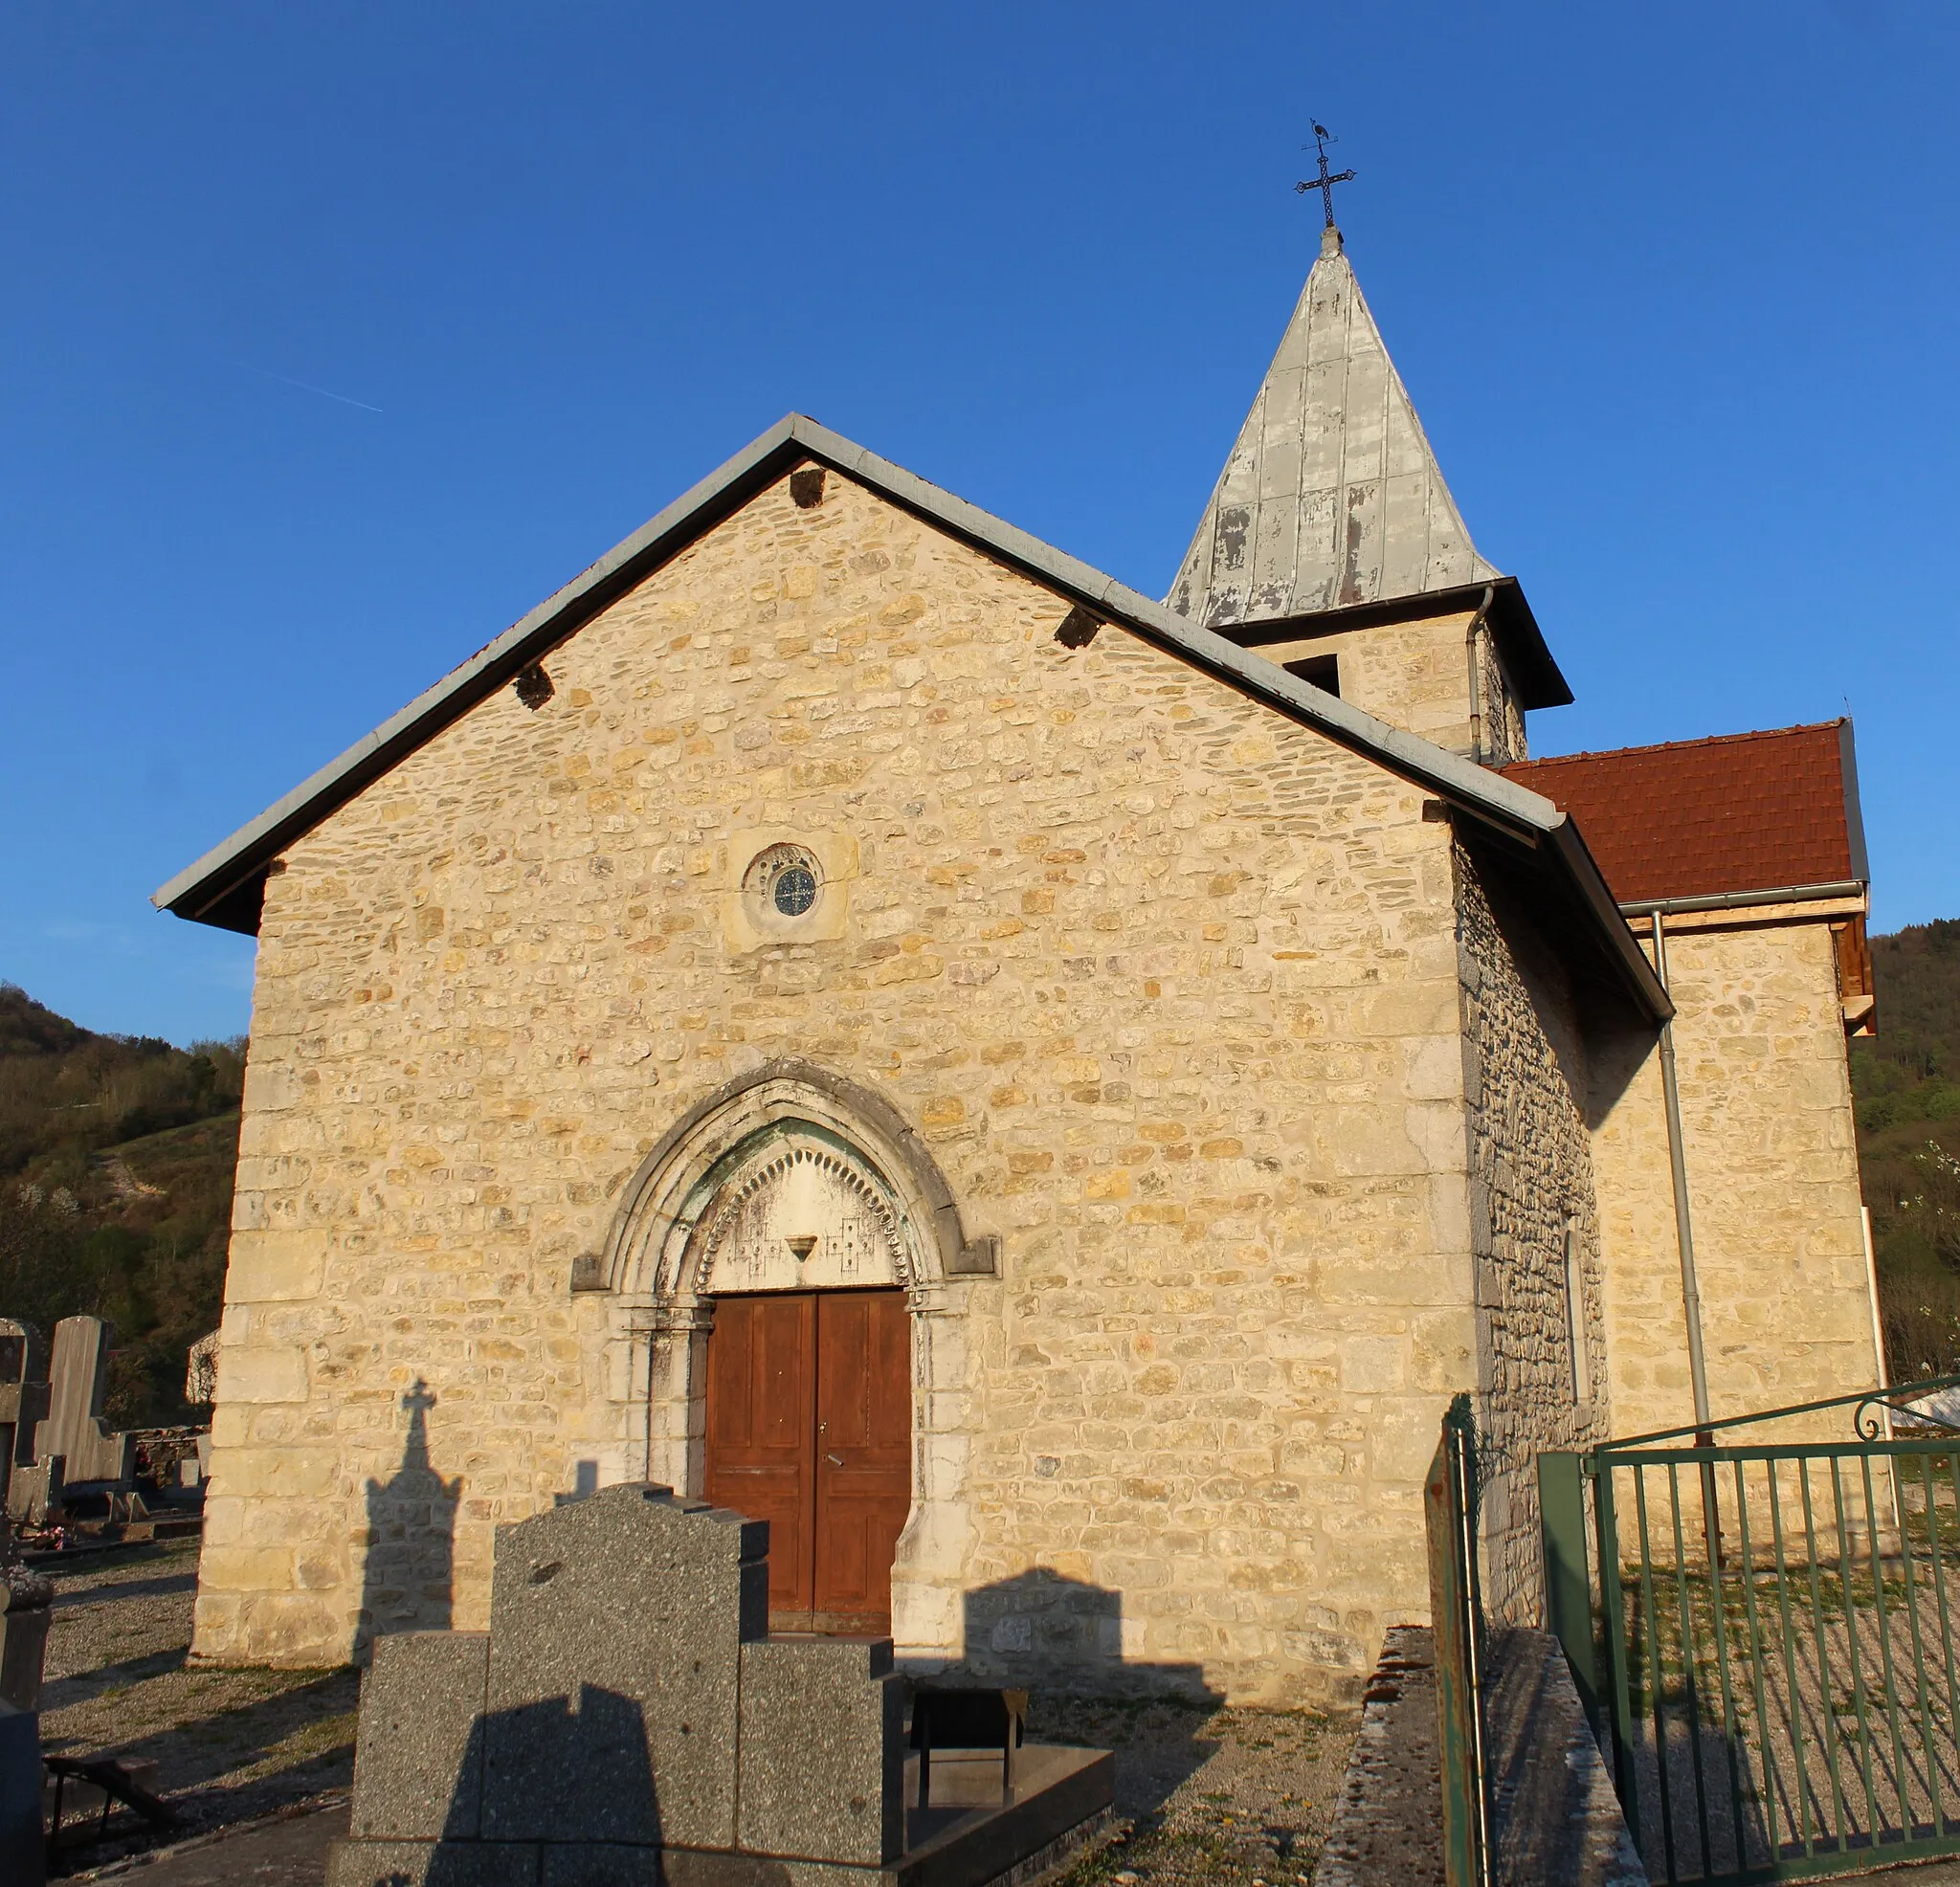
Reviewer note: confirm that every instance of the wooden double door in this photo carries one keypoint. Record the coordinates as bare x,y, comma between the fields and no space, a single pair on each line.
810,1428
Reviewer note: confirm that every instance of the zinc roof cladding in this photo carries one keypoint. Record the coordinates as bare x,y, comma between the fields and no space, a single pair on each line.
1331,495
1732,813
1331,510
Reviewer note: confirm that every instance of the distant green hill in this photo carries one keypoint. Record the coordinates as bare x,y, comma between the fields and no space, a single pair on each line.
116,1165
1907,1084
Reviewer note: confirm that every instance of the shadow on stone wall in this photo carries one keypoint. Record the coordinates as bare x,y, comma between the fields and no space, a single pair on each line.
584,1485
1047,1631
408,1581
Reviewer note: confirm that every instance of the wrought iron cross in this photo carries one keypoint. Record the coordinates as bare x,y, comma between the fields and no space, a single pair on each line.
1324,183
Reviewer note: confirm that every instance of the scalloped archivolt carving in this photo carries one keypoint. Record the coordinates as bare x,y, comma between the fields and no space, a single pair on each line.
805,1216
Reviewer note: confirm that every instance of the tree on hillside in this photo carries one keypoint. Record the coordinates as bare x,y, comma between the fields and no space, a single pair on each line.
115,1170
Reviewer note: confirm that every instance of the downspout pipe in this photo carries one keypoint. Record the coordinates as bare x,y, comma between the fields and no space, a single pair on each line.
1470,641
1683,1227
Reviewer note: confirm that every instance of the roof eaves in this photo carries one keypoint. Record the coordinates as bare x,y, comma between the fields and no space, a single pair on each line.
1471,788
1582,872
1854,813
1540,680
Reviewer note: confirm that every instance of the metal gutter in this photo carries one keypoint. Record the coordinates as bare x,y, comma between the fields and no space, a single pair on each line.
1722,900
1647,987
1684,1221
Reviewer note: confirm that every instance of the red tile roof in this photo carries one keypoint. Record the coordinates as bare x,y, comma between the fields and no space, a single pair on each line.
1695,818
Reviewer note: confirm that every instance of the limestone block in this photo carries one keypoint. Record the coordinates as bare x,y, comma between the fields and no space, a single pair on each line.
273,1265
262,1374
419,1759
823,1760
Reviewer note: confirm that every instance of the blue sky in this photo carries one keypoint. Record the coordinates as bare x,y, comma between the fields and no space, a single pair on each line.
333,338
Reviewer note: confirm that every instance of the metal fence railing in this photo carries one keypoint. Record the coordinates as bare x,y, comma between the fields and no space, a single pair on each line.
1763,1632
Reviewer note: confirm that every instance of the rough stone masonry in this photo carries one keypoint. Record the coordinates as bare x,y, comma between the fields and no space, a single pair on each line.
1226,1072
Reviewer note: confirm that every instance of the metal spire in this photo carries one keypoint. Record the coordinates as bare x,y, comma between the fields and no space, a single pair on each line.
1324,183
1331,496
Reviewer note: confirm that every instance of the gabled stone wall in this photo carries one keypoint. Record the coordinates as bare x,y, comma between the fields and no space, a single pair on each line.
1168,987
1414,675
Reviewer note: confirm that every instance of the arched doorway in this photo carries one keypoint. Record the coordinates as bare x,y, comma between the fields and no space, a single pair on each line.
789,1266
809,1392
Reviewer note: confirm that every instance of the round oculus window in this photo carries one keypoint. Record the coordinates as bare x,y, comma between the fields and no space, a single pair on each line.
796,890
781,885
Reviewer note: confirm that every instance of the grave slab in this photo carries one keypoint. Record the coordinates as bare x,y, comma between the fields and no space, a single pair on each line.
418,1756
837,1797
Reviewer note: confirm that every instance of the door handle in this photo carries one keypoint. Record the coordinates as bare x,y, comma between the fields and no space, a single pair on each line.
835,1460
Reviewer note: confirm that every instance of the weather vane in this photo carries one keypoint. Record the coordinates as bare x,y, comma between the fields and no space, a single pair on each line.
1324,183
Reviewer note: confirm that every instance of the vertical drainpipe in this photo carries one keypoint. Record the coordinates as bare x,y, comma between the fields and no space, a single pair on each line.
1470,641
1684,1229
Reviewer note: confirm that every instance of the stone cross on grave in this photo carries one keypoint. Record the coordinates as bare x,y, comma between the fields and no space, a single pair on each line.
1323,183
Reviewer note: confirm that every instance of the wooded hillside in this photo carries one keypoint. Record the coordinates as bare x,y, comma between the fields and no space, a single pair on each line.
116,1161
1907,1081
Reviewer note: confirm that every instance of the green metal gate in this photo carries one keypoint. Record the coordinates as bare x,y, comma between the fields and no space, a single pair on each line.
1764,1634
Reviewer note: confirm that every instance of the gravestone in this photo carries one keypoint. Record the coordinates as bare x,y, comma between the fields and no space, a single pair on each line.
23,1397
34,1493
627,1721
73,1430
22,1856
626,1718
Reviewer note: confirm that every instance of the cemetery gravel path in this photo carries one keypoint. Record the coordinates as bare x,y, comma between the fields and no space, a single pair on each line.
1230,1798
229,1745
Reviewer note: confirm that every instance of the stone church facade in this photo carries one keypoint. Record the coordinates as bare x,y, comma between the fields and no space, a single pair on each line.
1169,1025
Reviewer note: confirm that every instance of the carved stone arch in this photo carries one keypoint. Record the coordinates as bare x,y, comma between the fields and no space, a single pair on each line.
686,1173
736,1153
798,1180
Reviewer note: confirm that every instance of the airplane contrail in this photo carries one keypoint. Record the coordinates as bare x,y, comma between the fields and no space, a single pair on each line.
307,387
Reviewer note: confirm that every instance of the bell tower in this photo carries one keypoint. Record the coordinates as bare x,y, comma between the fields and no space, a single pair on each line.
1332,547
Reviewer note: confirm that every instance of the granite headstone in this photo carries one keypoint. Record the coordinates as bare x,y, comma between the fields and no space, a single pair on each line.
74,1429
22,1856
626,1718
